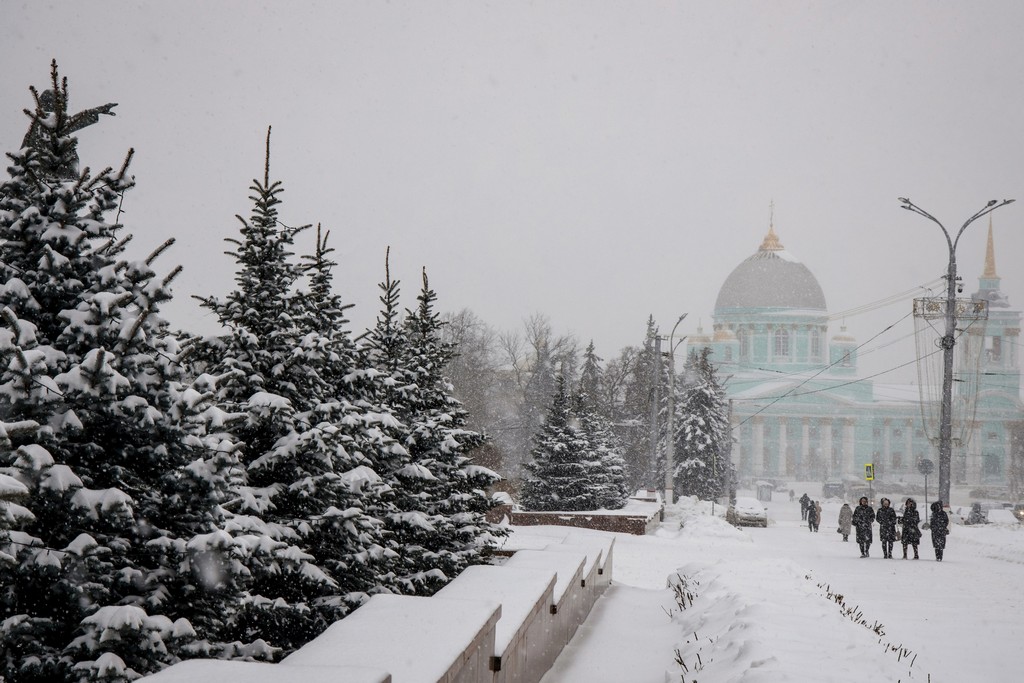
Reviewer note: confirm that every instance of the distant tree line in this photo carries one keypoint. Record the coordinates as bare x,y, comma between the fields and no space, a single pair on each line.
532,390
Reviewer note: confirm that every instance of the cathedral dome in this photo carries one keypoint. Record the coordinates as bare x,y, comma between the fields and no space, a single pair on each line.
770,279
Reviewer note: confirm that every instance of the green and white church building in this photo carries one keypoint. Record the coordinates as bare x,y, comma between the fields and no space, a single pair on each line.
801,412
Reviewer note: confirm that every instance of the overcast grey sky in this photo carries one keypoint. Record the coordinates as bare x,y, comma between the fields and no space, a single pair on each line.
594,161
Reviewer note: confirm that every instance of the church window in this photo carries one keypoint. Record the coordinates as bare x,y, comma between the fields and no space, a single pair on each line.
991,466
996,349
781,344
897,462
897,433
728,354
815,345
847,361
744,343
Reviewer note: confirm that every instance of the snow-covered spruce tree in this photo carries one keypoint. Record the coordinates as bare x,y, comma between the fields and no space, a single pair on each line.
441,495
635,431
92,585
609,476
702,431
368,432
604,452
590,384
558,477
300,514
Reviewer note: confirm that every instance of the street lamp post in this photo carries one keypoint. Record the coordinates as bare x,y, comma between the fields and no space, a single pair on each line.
949,340
670,446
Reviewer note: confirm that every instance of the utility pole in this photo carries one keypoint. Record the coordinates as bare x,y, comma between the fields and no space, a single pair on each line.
670,445
948,341
655,402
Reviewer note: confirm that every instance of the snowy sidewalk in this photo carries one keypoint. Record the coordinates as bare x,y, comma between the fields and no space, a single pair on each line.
766,606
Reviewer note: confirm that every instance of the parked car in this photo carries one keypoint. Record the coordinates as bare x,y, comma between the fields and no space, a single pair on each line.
977,515
749,512
1018,511
833,489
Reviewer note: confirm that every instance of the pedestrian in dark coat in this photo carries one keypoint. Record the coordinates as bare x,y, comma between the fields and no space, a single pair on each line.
863,517
813,517
845,520
940,529
886,519
910,532
805,502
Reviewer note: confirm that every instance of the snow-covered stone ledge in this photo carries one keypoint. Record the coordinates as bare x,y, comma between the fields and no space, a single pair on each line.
638,517
492,624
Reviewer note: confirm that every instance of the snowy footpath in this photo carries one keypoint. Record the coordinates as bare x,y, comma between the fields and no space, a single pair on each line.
699,600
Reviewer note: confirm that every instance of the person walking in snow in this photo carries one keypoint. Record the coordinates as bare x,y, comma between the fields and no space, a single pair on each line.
910,531
816,504
812,517
863,517
886,519
845,520
940,529
805,503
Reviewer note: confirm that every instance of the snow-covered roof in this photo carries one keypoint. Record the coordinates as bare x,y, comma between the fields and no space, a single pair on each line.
771,279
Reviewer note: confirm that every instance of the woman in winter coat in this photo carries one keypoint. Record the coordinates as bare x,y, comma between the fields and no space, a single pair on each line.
863,517
940,529
886,519
845,520
910,533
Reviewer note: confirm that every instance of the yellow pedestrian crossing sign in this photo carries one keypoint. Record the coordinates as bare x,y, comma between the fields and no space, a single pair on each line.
869,472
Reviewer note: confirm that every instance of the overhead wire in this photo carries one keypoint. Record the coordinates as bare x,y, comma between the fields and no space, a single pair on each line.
885,301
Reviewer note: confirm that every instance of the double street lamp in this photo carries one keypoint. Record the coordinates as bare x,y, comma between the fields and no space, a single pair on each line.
949,340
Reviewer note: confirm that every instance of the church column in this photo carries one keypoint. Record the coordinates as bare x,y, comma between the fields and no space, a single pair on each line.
826,446
974,454
908,448
783,464
849,458
1007,454
758,449
805,447
737,444
886,448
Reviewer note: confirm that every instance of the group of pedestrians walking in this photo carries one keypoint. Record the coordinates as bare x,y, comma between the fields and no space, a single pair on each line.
892,527
810,512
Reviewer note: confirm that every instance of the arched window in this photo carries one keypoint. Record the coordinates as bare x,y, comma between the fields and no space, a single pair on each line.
781,344
815,345
744,344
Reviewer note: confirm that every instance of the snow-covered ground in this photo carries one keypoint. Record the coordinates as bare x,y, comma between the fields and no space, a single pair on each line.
783,604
